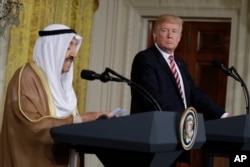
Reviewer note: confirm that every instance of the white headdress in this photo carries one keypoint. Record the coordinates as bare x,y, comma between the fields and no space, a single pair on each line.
49,54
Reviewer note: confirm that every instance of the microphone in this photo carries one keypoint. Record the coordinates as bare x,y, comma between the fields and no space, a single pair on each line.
219,65
234,74
89,75
227,71
104,77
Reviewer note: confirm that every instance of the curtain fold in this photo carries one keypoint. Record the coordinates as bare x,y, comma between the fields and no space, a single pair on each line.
37,14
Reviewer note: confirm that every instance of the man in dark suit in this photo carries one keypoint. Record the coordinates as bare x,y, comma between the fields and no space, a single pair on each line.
168,80
174,91
151,69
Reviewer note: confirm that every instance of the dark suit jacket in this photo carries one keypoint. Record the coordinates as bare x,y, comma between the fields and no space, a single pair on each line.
151,71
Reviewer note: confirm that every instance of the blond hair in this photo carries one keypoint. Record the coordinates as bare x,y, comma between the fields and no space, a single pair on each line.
167,18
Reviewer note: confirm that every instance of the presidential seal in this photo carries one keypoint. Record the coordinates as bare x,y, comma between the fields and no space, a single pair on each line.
188,128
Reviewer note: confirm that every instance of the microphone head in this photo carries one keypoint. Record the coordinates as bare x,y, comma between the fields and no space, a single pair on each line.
88,75
217,64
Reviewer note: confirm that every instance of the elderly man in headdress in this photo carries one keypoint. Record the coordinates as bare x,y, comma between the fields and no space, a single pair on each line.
40,96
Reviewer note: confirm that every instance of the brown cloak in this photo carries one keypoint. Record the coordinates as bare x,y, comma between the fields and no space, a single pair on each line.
29,113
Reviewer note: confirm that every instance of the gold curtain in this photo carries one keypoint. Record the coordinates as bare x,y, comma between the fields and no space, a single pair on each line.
37,14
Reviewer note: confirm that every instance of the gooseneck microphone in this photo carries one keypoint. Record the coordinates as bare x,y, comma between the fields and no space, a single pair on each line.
219,65
89,75
105,77
228,72
234,74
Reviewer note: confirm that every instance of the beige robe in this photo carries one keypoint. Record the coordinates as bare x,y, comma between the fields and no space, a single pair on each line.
29,114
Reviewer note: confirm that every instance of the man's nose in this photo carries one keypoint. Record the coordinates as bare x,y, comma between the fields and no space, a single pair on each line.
170,34
73,53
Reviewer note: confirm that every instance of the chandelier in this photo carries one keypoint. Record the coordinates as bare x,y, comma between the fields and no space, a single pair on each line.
9,14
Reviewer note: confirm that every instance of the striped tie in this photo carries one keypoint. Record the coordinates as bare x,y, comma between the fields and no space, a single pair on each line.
176,75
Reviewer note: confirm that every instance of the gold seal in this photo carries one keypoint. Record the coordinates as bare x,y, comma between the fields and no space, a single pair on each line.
188,128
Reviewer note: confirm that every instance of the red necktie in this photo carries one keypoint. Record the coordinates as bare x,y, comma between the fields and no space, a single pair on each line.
175,73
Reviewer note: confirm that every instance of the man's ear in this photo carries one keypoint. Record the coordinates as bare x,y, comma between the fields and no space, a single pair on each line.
154,37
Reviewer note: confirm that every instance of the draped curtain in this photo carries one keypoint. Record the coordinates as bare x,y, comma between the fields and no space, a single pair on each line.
36,15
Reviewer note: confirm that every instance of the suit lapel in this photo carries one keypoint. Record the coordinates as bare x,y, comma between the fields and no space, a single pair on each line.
165,67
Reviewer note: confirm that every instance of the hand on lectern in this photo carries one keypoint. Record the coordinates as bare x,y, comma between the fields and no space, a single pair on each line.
92,116
226,115
115,113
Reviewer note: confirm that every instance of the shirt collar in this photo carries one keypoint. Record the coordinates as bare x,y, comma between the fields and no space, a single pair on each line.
164,54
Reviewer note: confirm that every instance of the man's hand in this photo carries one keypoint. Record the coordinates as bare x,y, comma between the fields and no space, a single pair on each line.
94,115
